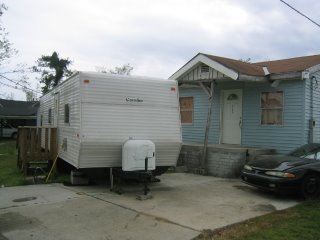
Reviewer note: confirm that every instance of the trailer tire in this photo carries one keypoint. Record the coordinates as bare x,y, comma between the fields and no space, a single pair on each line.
160,170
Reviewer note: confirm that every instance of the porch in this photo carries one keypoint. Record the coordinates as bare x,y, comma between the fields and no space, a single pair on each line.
36,145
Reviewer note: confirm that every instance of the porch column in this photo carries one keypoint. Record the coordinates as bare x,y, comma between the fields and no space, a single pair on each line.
209,92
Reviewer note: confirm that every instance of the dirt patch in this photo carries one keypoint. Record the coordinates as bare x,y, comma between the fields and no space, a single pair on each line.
14,220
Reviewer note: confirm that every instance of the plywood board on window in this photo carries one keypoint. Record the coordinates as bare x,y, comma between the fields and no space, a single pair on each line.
186,117
186,103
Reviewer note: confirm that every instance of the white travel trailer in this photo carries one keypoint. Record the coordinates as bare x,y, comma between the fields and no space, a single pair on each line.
96,113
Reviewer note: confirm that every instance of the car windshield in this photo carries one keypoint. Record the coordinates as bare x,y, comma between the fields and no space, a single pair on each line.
306,150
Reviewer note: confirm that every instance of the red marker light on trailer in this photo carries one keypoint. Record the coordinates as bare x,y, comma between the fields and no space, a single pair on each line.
86,81
173,89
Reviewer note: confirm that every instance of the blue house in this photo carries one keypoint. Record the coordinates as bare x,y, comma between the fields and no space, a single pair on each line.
272,104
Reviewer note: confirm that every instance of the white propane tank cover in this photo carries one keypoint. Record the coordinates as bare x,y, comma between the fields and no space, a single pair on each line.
134,153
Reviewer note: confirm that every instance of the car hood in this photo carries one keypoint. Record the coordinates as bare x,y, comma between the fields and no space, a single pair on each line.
279,162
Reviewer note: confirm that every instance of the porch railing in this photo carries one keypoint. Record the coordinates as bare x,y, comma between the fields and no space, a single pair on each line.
36,144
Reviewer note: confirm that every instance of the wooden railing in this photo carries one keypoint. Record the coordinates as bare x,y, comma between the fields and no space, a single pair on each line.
36,144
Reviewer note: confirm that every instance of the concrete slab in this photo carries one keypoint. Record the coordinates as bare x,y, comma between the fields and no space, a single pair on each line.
34,194
199,202
182,205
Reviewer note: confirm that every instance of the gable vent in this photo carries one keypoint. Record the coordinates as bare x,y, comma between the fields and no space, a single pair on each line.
204,68
204,72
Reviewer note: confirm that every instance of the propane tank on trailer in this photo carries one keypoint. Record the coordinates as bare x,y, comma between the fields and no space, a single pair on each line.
135,153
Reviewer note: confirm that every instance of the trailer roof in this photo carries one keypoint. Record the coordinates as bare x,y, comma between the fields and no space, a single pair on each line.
99,74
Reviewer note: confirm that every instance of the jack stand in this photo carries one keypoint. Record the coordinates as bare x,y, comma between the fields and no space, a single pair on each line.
146,191
144,197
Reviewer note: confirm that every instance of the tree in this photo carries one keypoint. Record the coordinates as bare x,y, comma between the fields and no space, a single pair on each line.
123,70
246,60
53,69
13,76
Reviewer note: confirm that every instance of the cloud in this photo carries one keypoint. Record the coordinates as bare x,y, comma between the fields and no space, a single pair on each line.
158,37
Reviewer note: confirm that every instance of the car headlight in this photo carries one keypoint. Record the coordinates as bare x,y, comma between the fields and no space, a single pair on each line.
280,174
247,167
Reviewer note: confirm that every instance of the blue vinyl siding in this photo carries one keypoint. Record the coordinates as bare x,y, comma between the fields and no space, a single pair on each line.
282,138
194,133
290,134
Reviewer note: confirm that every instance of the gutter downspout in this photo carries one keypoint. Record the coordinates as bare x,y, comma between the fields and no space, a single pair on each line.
311,121
209,92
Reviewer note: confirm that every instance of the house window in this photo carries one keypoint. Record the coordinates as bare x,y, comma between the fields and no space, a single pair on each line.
49,115
186,110
66,113
271,108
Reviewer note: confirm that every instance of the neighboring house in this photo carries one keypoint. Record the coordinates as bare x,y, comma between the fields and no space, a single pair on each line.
272,104
16,113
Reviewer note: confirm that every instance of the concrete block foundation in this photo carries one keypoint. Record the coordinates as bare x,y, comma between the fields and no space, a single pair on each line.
222,160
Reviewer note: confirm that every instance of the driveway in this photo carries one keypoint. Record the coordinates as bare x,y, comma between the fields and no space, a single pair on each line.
182,206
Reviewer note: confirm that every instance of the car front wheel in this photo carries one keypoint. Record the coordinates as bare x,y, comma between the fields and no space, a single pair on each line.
310,187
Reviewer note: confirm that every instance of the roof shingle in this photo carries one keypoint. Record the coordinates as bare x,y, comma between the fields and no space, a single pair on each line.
297,64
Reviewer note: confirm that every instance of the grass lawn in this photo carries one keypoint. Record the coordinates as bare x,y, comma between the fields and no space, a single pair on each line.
10,175
300,222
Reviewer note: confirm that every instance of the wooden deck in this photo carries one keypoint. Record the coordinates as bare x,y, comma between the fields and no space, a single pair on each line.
36,144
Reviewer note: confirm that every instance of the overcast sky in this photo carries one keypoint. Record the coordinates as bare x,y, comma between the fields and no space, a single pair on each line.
157,37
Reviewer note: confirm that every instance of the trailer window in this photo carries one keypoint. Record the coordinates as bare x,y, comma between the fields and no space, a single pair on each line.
49,115
66,113
186,110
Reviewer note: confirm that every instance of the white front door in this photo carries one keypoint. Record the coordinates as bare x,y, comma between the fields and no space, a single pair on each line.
231,116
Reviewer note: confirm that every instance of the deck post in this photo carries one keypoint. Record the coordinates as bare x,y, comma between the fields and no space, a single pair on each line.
31,144
209,92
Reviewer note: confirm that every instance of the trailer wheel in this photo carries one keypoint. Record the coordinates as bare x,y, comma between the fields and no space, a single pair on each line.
160,170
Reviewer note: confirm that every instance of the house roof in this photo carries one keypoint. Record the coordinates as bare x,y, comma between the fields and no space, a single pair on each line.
9,108
257,69
238,66
297,64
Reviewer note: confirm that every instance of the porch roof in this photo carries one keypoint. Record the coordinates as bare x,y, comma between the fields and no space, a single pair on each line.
240,70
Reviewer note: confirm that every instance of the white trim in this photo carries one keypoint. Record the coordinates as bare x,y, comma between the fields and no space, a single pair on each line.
313,69
249,78
265,70
285,76
211,63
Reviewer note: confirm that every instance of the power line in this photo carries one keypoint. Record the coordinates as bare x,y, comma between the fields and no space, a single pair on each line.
7,85
300,13
17,83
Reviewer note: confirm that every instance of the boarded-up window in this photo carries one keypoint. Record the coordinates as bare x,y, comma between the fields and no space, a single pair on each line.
271,108
186,109
66,113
